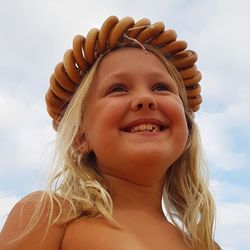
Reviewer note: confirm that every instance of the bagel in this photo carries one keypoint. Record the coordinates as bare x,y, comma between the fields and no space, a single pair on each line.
58,90
53,115
62,78
188,72
194,101
138,27
104,33
164,38
70,66
174,47
150,32
195,108
89,48
194,91
195,79
52,100
184,59
119,29
78,45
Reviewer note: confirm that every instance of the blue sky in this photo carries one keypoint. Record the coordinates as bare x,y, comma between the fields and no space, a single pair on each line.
34,35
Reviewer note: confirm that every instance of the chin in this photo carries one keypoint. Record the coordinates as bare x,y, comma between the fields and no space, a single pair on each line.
152,158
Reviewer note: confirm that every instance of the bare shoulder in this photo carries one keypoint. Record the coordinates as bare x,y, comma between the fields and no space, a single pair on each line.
19,220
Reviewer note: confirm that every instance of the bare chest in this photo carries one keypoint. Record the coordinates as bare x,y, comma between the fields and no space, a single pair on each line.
89,235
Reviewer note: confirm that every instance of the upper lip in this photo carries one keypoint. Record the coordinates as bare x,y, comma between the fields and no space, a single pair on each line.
137,122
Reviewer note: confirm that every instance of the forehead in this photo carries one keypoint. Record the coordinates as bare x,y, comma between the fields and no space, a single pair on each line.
131,60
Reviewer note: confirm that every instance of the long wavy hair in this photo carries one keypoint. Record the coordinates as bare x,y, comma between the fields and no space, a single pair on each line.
77,182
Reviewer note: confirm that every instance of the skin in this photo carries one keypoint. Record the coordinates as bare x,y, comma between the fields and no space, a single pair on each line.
130,88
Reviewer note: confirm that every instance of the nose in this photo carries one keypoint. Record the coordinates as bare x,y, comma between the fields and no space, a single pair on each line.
145,101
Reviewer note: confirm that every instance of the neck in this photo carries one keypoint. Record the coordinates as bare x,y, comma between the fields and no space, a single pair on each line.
129,197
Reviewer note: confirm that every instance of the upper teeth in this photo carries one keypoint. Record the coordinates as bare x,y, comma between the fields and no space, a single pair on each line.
143,127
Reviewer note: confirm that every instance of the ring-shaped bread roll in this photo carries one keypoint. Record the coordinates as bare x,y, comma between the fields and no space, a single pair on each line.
70,66
123,25
195,91
188,72
163,38
138,27
78,46
174,47
104,33
195,108
184,59
195,79
194,101
62,78
54,109
53,100
150,32
58,90
90,43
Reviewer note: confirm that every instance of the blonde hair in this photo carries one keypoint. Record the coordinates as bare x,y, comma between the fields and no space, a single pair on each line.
77,182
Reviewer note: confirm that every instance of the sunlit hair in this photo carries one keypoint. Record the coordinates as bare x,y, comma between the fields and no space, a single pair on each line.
77,189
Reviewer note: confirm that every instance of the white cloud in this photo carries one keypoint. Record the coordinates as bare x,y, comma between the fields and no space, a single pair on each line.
225,191
25,132
225,127
218,137
233,226
233,221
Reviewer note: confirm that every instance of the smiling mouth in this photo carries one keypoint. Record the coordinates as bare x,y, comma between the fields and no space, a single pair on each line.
145,127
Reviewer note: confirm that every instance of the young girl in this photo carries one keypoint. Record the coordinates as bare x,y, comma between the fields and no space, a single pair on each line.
129,173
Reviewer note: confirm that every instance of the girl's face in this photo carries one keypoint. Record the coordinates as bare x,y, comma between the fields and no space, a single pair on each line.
134,120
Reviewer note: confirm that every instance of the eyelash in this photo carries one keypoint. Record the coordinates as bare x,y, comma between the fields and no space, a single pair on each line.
121,88
163,86
117,88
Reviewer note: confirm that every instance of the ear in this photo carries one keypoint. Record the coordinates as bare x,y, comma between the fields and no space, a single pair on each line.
81,143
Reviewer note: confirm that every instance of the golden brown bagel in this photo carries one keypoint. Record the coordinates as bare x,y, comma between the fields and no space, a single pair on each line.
195,79
70,66
53,100
150,32
89,48
184,59
164,38
195,108
194,91
104,33
63,79
195,101
188,72
138,27
174,47
119,29
78,45
58,90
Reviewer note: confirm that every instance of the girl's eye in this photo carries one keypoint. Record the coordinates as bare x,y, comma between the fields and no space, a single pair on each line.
117,88
161,87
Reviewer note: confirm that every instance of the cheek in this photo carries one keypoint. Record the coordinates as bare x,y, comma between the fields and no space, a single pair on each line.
174,109
101,124
176,113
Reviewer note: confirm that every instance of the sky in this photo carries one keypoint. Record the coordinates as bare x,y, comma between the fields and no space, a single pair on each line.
35,34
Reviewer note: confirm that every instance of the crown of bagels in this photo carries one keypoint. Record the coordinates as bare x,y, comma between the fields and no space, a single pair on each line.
77,61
